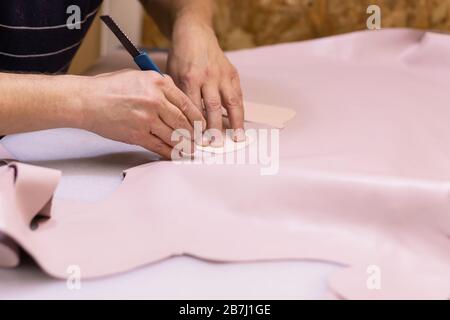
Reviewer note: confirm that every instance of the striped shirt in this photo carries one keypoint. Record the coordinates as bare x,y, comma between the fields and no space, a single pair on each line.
39,36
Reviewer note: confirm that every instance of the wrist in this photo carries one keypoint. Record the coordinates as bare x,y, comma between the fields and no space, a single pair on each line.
186,22
195,11
193,34
70,100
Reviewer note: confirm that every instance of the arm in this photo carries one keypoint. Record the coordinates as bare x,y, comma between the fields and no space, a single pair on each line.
169,13
134,107
197,63
37,102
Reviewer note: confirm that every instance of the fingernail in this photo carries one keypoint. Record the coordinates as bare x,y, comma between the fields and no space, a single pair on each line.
239,135
205,140
188,147
217,140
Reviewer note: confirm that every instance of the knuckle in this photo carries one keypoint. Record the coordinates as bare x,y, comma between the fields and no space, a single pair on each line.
233,102
142,116
213,104
187,79
139,115
211,73
234,74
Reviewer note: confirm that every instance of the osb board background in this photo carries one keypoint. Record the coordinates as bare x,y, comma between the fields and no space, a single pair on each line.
249,23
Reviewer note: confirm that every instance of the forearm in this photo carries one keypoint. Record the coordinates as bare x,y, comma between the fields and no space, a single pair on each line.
172,14
197,63
38,102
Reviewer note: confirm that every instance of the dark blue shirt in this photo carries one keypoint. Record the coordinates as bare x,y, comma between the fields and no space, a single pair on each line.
35,37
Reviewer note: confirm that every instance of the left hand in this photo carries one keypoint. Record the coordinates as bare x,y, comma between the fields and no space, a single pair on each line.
203,72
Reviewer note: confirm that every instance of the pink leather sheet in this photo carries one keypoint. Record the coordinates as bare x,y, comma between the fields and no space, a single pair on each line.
363,178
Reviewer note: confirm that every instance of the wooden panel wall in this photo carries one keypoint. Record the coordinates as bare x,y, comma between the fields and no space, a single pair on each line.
249,23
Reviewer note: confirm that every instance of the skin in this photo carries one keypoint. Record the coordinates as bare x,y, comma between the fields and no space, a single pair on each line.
197,63
135,107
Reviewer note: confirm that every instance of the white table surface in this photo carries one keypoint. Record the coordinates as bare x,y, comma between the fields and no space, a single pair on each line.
92,168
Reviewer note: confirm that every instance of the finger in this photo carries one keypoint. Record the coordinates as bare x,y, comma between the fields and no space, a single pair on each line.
233,103
175,119
193,92
166,134
226,123
213,106
176,97
155,144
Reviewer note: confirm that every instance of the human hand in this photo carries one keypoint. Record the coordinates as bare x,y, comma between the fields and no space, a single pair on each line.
202,71
140,108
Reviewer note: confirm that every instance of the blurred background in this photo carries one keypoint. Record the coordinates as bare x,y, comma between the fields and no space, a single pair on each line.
243,24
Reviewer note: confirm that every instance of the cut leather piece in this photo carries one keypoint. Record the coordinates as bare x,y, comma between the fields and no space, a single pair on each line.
26,192
229,146
363,180
9,250
274,116
358,282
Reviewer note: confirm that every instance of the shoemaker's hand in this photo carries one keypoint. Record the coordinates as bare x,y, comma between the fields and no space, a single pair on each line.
203,72
141,108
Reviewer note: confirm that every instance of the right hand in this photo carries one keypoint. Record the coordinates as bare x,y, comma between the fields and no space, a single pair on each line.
141,108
